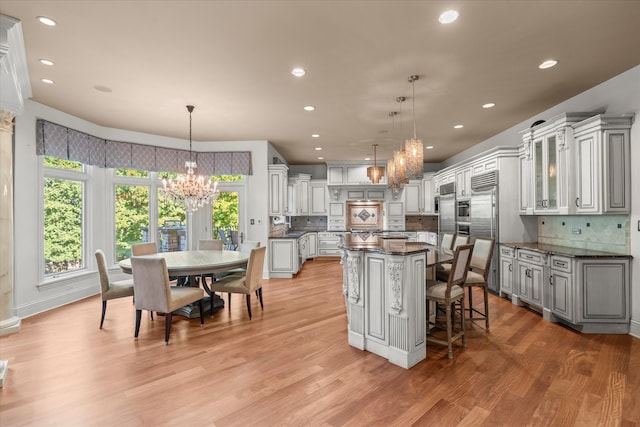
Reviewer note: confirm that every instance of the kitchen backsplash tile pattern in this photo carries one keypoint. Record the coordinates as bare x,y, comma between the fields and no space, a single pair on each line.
609,233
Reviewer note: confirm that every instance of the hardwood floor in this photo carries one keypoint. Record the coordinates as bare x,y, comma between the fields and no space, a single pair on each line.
291,365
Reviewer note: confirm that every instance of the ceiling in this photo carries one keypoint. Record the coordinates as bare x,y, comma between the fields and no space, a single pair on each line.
135,65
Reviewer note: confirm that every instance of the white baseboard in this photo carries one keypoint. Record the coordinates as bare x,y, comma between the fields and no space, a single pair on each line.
634,330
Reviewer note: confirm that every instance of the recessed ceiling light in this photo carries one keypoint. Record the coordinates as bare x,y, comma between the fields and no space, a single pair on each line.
47,81
46,21
448,17
547,64
488,105
318,148
309,108
429,147
298,72
315,135
458,126
46,61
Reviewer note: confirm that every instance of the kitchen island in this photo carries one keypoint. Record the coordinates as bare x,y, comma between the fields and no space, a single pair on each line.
384,290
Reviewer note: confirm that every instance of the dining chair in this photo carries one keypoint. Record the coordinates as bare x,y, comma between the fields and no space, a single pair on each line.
154,292
479,269
146,248
110,289
209,245
247,283
443,270
451,295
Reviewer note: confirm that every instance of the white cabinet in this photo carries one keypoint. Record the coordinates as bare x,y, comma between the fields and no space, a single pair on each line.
603,175
395,216
548,151
561,288
312,242
278,190
337,219
603,293
283,257
507,261
531,277
463,182
413,197
319,197
427,195
329,243
298,189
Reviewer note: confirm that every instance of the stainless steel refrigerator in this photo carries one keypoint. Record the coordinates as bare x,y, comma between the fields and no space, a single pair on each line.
484,218
447,216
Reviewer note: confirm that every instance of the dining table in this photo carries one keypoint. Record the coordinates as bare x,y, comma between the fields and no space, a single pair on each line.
192,265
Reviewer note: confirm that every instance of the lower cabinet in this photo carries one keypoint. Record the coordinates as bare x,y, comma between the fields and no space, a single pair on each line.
531,277
507,261
283,258
561,299
590,293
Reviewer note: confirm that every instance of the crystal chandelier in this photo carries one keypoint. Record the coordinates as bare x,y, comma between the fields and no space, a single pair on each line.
414,152
193,191
375,172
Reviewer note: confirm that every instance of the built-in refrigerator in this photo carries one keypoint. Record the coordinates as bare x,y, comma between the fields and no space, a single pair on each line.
484,218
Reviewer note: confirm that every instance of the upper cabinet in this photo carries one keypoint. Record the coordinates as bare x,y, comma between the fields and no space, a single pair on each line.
603,176
319,197
298,194
278,175
463,182
546,166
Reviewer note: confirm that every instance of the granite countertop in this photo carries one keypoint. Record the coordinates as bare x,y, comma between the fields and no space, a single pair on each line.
385,246
564,250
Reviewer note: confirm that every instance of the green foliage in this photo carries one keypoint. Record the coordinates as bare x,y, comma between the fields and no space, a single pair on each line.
63,209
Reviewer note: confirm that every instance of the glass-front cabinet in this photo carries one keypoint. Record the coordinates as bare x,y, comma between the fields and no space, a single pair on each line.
546,174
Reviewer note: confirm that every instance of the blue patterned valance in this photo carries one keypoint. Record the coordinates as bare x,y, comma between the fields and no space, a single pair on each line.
64,143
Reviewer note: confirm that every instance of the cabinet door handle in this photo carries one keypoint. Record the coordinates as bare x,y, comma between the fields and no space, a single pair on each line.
577,200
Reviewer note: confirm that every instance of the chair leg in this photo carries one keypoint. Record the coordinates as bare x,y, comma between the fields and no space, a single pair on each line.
200,306
104,310
486,309
138,317
249,305
449,331
167,327
259,291
462,322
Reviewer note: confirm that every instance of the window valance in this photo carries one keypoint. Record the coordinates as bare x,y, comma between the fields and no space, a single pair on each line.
65,143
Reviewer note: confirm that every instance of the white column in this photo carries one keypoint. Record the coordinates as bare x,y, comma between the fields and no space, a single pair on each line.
9,322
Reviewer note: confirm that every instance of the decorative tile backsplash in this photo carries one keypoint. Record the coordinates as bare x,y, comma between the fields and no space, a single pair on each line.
609,233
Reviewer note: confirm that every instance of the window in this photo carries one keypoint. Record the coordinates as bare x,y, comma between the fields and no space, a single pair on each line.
64,216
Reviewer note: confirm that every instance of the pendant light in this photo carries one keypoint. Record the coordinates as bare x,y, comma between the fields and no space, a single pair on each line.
399,157
192,190
375,172
414,151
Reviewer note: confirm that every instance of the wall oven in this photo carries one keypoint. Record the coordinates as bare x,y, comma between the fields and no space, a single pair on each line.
463,210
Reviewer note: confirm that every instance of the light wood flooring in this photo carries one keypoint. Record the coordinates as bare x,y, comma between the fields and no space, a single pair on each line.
291,366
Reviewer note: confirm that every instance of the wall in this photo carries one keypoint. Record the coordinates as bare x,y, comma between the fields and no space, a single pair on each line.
32,296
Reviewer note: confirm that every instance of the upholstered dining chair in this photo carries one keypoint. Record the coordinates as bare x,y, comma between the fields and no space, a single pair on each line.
154,292
209,245
109,289
479,272
451,295
247,283
443,270
147,248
